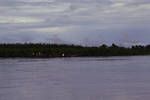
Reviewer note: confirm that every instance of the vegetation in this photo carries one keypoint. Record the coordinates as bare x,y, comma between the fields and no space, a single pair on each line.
55,50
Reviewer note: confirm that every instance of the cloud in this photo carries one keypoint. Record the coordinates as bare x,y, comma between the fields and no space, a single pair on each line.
101,21
18,20
51,30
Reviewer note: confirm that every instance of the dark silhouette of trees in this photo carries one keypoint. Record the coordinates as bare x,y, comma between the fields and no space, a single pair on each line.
57,50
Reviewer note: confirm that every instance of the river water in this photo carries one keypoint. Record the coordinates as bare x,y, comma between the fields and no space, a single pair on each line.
110,78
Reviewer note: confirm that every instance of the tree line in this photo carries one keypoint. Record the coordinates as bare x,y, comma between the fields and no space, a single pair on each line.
62,50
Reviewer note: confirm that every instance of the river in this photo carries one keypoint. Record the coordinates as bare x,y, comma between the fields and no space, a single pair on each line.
106,78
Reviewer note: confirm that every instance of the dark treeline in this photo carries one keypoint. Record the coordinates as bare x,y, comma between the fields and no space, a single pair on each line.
55,50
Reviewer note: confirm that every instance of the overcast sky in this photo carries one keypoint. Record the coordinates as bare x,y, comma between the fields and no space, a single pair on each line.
86,22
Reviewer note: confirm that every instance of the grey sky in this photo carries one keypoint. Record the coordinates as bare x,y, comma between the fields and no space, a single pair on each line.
87,22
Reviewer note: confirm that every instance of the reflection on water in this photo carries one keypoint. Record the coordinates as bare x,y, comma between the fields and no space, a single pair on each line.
114,78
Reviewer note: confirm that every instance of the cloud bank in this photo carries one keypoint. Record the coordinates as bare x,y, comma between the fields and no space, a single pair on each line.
86,22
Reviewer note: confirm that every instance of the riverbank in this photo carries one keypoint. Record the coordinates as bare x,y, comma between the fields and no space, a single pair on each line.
54,50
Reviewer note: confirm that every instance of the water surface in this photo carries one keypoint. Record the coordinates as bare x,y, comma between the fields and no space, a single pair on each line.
112,78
